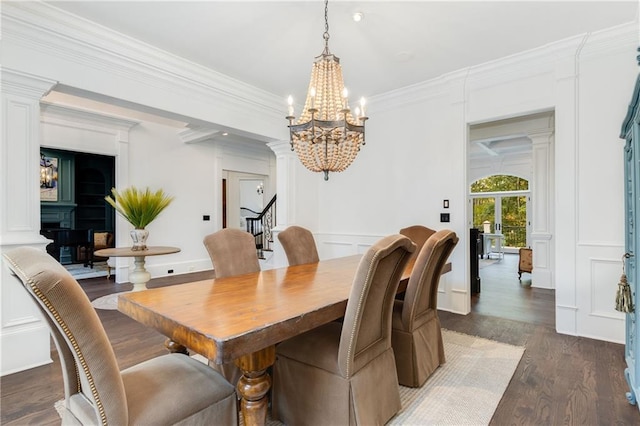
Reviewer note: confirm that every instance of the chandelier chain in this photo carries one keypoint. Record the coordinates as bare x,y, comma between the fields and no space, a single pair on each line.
325,36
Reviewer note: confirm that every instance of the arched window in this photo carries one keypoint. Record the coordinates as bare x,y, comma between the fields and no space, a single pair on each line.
500,183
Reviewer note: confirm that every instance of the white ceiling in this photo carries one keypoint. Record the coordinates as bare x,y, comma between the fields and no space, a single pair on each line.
272,44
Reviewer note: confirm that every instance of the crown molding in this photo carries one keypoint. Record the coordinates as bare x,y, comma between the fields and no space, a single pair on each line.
194,134
45,28
537,61
625,37
51,113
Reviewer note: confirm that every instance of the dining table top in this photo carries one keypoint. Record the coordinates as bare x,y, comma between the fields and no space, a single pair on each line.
225,318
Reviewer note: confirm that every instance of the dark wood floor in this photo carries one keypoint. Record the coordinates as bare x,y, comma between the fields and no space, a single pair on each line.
560,379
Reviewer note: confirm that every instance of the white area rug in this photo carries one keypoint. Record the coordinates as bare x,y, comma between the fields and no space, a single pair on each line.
108,302
464,391
79,271
467,389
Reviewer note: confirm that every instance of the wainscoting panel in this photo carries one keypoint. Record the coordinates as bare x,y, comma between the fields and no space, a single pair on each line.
598,270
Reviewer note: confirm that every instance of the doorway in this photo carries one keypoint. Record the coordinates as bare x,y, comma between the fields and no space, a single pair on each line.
243,197
516,156
500,205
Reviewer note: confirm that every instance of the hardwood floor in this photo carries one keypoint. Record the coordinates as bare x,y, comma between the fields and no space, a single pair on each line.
503,295
560,379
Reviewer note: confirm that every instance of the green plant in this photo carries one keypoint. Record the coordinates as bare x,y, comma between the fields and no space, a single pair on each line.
139,207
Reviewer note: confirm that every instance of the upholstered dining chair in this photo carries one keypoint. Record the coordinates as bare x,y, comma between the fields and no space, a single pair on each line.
232,252
344,373
416,335
418,234
299,245
170,389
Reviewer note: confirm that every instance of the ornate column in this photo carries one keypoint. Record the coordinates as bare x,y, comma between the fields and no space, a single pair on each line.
24,337
286,165
542,205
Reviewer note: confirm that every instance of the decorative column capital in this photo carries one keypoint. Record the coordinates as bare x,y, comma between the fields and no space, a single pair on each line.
25,85
281,148
540,137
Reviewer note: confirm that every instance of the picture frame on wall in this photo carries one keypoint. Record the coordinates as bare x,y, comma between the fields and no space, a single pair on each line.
48,178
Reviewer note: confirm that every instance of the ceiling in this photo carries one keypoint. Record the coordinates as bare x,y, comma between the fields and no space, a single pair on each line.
272,44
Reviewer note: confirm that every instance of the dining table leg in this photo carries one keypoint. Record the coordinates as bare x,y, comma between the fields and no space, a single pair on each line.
254,384
175,347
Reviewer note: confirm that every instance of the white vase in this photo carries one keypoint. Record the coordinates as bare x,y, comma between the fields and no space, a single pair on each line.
139,237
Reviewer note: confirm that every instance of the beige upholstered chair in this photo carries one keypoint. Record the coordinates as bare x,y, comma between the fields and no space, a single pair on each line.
344,373
418,234
232,252
299,245
417,337
170,389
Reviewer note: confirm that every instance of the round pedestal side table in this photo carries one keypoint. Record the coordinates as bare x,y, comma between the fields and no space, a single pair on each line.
139,277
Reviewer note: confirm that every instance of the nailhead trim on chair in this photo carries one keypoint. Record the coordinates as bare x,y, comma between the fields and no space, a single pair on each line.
360,300
81,360
83,363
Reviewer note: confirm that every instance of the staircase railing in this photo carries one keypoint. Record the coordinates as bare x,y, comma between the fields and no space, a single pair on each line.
260,227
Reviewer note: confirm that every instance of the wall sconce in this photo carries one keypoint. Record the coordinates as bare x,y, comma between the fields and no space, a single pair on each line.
46,172
260,189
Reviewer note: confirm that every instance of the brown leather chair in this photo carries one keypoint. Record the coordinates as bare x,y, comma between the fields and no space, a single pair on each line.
416,336
299,245
344,373
418,234
232,252
168,389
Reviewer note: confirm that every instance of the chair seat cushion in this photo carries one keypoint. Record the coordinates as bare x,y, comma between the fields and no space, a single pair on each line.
317,347
174,387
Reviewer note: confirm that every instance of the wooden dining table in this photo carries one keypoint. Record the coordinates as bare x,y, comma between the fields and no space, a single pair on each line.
241,318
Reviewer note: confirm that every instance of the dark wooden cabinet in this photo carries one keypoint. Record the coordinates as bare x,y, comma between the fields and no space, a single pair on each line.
94,178
475,250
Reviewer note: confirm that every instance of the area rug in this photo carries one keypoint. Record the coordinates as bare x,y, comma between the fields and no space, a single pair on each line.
79,271
108,302
464,391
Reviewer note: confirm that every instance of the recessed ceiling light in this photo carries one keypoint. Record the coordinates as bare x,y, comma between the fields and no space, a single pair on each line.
357,17
225,134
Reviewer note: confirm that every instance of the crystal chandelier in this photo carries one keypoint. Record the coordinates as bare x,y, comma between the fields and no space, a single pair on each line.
327,137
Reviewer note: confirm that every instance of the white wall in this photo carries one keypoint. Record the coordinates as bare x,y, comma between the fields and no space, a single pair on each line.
158,158
605,87
414,157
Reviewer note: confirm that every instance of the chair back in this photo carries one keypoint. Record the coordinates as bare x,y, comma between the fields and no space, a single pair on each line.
366,329
299,245
418,234
232,252
422,289
89,365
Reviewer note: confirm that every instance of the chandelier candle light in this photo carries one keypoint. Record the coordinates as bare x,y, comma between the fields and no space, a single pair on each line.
327,137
